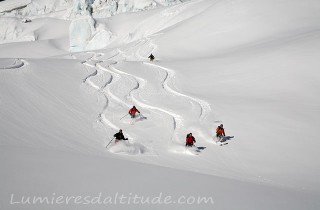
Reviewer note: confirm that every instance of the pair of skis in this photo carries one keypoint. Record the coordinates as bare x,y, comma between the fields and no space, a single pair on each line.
220,140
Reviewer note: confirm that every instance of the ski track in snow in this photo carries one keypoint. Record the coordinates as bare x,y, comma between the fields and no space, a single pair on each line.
115,76
104,89
101,90
134,92
150,47
141,83
104,66
12,63
204,106
147,43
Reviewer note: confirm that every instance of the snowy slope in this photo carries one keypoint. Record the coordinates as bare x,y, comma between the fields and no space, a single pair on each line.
252,66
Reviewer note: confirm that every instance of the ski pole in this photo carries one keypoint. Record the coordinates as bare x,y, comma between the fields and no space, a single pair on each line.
123,116
110,142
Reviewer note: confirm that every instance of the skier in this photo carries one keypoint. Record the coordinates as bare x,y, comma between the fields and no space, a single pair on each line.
151,57
119,136
133,111
220,132
190,140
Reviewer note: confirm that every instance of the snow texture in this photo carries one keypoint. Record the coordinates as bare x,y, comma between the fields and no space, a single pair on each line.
69,77
7,6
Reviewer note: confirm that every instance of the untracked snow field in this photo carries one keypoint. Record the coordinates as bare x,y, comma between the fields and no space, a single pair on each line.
252,66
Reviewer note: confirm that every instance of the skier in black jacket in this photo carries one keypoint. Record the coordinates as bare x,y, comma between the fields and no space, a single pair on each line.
151,57
119,136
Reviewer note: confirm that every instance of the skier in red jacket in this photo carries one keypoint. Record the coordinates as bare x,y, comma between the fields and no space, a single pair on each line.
190,140
220,131
133,111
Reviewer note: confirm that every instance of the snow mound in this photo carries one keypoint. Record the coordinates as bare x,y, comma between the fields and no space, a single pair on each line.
183,150
98,8
138,118
132,5
86,35
101,37
14,32
103,8
10,63
34,7
7,6
128,148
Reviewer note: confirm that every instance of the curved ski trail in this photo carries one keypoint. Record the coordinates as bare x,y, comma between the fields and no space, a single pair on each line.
102,79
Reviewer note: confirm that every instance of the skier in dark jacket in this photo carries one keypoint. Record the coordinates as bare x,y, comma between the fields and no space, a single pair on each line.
190,140
119,136
151,57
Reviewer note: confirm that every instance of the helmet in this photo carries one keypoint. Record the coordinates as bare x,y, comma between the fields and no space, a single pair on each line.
134,106
120,130
221,125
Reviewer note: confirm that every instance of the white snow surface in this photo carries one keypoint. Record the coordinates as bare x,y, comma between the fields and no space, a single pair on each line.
251,65
66,8
7,6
